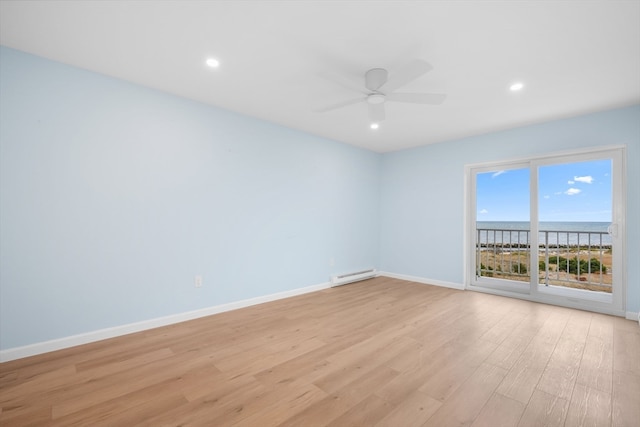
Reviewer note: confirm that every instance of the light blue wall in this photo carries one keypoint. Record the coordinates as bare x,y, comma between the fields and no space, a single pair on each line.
422,191
114,196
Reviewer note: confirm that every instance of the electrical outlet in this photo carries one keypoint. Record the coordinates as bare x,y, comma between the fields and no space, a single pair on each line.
198,281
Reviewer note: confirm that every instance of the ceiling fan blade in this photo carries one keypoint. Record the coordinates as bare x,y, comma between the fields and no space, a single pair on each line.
345,83
340,105
417,98
375,78
406,75
376,112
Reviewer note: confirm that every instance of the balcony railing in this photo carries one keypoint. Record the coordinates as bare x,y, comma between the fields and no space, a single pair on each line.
576,259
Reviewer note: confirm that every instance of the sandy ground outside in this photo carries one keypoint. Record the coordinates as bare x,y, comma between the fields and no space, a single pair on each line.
503,264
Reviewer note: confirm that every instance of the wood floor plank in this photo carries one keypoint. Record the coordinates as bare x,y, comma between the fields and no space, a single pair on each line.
559,376
577,327
544,410
503,328
515,342
415,410
341,400
626,399
589,408
500,411
29,415
626,348
443,383
622,324
212,409
35,385
467,402
284,405
129,409
220,383
358,363
505,356
382,351
253,362
524,376
309,366
100,368
601,326
89,384
596,366
366,413
412,357
413,378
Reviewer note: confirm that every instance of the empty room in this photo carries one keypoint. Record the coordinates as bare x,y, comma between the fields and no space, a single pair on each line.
320,213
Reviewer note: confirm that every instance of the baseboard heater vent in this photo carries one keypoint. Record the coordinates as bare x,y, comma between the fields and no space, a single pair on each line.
352,277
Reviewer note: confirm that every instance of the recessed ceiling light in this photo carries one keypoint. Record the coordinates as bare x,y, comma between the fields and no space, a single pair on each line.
516,87
374,126
213,63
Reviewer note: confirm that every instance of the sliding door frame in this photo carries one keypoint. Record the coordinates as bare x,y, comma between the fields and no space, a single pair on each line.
611,305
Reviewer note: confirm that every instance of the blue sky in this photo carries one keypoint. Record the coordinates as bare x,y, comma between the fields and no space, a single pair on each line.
567,192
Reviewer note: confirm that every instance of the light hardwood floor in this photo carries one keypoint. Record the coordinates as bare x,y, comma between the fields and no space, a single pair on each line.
382,352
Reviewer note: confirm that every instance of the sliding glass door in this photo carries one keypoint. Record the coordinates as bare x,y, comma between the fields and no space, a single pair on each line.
502,227
549,229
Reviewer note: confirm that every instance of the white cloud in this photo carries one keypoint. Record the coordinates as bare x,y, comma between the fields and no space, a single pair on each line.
484,211
586,179
546,196
572,191
571,182
498,173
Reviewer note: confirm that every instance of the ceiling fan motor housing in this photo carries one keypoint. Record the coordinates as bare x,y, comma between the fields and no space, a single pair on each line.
375,98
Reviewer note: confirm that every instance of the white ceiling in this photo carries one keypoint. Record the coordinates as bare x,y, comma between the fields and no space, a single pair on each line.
283,60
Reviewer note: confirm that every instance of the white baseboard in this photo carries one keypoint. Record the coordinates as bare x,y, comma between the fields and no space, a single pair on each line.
422,280
630,315
116,331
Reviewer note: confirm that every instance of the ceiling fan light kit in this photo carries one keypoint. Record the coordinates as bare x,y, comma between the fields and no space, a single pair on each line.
380,89
375,98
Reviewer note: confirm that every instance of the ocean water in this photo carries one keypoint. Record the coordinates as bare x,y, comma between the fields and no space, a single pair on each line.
554,233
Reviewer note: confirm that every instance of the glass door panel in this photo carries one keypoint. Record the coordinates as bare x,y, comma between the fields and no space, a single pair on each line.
575,208
502,229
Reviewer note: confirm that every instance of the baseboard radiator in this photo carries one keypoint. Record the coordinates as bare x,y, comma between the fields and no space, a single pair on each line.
343,279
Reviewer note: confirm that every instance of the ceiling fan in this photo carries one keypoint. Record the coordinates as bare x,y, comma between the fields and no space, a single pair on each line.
380,89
